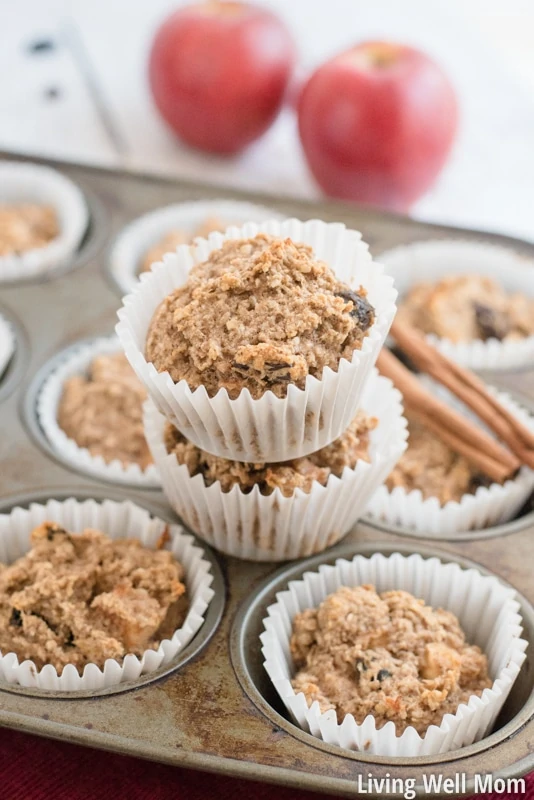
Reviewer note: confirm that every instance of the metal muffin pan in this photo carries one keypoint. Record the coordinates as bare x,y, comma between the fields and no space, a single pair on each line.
216,711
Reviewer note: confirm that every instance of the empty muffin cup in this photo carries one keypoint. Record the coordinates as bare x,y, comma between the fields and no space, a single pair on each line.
487,506
76,361
144,233
487,611
25,183
7,344
118,521
275,527
429,262
269,428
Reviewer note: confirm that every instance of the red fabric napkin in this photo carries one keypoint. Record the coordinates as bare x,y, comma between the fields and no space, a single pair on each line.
41,769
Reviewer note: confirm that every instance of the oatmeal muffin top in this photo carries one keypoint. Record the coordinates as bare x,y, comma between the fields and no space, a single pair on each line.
173,239
259,314
103,412
386,655
26,226
81,598
431,466
300,473
466,307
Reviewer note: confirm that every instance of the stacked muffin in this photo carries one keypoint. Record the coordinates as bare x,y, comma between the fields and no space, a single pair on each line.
257,349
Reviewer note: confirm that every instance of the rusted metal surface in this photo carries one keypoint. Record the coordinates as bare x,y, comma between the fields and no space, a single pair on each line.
217,711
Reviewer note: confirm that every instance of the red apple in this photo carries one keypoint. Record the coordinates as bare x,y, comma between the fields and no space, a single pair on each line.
218,72
377,124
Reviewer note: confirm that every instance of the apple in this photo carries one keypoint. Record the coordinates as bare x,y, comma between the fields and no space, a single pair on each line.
219,71
377,123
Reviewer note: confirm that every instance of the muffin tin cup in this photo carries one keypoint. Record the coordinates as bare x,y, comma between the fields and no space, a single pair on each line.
77,362
256,527
270,428
7,344
488,613
433,260
488,506
118,520
134,241
30,183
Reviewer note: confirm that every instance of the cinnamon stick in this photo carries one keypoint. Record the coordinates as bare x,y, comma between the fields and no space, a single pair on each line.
468,388
476,445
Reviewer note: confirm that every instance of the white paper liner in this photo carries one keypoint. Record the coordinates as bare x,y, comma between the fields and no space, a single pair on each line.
118,521
77,362
269,428
7,344
143,233
276,528
433,260
488,506
32,183
487,611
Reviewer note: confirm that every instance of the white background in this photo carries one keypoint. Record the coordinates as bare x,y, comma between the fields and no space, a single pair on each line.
486,46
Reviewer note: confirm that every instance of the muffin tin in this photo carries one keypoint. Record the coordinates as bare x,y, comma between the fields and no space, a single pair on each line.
215,708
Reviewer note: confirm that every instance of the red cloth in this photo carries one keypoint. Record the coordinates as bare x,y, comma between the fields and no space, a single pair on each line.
41,769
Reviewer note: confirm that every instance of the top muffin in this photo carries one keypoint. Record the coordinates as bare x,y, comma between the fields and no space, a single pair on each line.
259,314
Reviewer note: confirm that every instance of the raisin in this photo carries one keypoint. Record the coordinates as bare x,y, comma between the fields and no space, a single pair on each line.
491,323
480,480
383,674
361,666
69,641
362,311
16,618
274,365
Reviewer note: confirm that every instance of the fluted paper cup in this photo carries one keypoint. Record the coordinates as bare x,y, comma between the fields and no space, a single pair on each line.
489,615
7,344
256,527
32,183
136,239
270,428
77,362
487,506
431,261
118,521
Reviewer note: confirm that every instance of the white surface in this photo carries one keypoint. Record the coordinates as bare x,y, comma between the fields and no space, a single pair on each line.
486,46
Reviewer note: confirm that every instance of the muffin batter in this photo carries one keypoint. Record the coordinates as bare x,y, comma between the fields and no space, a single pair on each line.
288,476
104,411
386,655
466,307
26,226
259,314
431,466
75,599
173,239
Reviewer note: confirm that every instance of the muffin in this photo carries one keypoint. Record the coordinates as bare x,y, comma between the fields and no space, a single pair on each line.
257,344
93,594
258,314
430,466
26,226
102,411
467,307
84,598
394,655
43,218
301,473
279,511
387,655
172,239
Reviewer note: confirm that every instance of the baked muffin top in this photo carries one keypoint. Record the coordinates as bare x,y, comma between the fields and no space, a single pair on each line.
466,307
26,226
81,598
386,655
428,464
103,411
299,473
258,314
